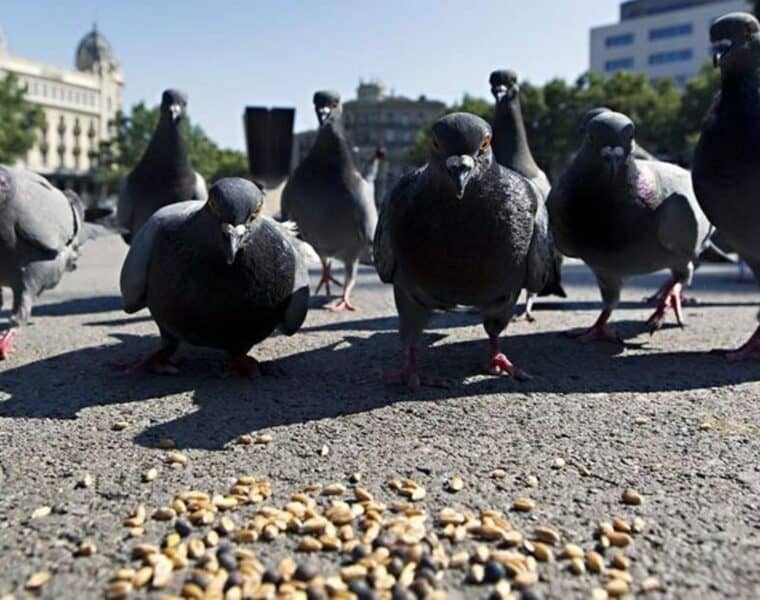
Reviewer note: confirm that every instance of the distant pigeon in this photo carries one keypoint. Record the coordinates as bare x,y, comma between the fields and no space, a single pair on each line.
511,149
462,230
41,230
164,175
330,202
626,217
638,152
726,169
216,274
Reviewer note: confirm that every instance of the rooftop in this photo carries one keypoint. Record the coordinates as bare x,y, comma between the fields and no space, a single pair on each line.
634,9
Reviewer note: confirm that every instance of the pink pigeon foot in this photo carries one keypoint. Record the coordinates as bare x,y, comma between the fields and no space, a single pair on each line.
598,332
326,279
499,364
671,298
6,343
412,378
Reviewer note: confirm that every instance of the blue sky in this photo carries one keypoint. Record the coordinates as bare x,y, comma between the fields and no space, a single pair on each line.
227,54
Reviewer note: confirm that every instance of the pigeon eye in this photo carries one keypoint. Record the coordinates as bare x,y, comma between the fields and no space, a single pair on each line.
485,143
436,146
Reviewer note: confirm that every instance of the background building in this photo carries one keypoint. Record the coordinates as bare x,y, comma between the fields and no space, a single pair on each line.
376,118
78,105
662,38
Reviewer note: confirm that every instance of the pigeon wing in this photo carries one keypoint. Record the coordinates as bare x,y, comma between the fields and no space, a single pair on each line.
134,272
385,260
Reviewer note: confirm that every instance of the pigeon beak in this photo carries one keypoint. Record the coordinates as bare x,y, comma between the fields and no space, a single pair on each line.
499,91
719,50
233,238
323,113
176,110
460,168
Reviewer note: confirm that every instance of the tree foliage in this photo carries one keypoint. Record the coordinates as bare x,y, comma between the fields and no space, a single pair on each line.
130,136
20,120
667,120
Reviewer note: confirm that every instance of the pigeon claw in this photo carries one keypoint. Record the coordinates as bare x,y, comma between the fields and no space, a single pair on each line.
670,298
6,343
500,365
250,368
414,380
344,304
158,363
326,279
599,332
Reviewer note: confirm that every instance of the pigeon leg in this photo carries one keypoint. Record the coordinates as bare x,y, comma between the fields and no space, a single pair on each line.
22,306
670,299
326,278
499,364
247,366
661,293
750,349
345,301
530,298
6,343
158,363
411,377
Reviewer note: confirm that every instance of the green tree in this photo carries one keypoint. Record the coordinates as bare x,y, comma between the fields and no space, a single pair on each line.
697,98
20,120
131,135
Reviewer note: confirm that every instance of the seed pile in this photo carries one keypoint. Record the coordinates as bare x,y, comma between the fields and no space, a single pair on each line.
347,545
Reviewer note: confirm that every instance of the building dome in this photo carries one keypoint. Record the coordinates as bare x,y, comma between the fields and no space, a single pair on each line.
94,52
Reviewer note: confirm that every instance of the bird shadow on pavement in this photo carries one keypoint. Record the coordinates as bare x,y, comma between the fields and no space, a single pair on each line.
78,306
341,379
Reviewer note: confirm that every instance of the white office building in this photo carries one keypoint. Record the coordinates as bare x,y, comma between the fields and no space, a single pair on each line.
78,105
662,38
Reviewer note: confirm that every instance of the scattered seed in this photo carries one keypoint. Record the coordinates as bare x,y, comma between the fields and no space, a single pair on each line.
651,584
577,566
618,539
531,481
476,574
523,504
38,580
309,544
85,481
41,512
86,549
150,474
547,535
245,440
594,562
621,525
621,561
498,474
526,579
165,513
641,420
324,450
455,484
632,497
176,458
559,463
118,590
617,587
572,551
638,525
599,594
119,425
263,438
162,572
142,577
166,443
334,489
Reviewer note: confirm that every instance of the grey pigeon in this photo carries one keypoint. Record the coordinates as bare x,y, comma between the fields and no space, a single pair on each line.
330,202
216,274
462,230
625,217
726,169
163,175
511,149
41,230
638,152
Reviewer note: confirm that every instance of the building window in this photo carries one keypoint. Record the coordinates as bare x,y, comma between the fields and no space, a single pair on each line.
621,39
662,58
670,31
616,64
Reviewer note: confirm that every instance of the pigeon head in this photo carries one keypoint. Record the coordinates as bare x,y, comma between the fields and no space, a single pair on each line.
173,104
610,138
6,185
504,85
326,104
587,118
234,203
735,40
461,147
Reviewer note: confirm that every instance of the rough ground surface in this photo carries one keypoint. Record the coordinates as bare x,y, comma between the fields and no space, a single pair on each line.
59,396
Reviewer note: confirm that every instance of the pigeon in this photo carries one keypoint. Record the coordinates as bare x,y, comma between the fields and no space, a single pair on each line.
41,232
726,169
462,230
216,274
624,217
332,205
511,149
638,152
163,175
